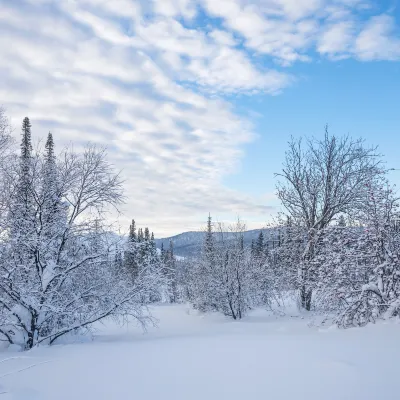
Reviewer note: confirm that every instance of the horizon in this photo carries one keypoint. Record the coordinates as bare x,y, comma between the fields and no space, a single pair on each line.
195,100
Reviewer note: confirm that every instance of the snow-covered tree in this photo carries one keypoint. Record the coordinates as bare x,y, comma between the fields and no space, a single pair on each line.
360,273
222,277
55,275
131,257
320,182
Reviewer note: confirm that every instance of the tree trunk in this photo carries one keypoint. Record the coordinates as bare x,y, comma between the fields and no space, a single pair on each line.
305,297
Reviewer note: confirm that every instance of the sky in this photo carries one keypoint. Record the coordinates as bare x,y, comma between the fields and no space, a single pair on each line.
195,100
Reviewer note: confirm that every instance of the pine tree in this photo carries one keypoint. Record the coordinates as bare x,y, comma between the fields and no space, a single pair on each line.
26,145
22,212
260,245
131,259
209,243
342,221
25,179
162,251
52,218
171,268
140,235
51,200
132,232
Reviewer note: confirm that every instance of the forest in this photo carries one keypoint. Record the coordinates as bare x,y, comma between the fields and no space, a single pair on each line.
333,248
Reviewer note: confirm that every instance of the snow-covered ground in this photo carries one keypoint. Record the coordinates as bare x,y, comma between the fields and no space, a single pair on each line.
194,357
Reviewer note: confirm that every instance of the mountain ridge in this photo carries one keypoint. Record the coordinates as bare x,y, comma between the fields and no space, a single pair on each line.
188,243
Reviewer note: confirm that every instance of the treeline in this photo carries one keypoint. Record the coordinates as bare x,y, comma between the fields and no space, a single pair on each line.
337,246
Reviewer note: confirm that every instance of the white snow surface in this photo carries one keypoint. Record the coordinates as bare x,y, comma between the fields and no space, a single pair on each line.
206,357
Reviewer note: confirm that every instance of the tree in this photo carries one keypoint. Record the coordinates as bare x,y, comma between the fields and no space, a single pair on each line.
319,182
171,273
7,166
5,133
222,278
131,259
361,265
209,243
58,279
22,209
342,221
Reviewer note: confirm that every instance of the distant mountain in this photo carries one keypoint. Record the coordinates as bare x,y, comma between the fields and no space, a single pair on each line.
189,243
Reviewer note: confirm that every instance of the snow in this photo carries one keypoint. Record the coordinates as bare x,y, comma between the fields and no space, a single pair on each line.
197,357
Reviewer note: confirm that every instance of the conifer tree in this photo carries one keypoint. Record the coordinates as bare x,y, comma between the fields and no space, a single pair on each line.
209,242
140,235
131,260
171,268
260,244
118,262
22,212
342,221
51,207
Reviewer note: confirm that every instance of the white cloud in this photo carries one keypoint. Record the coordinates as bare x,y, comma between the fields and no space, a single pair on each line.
223,38
377,40
137,76
288,29
173,8
336,39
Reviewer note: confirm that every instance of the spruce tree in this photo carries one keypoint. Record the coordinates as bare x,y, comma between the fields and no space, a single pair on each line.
26,144
162,252
52,213
26,164
118,262
260,244
171,267
341,221
209,245
132,232
131,259
140,235
22,213
51,202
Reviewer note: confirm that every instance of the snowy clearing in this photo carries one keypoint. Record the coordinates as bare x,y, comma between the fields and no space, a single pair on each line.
196,357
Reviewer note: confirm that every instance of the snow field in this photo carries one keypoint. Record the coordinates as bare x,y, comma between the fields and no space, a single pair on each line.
205,357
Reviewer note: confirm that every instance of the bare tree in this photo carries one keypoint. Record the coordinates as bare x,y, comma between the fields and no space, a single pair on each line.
319,182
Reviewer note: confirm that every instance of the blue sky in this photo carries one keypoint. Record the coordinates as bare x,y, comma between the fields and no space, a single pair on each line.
196,99
359,99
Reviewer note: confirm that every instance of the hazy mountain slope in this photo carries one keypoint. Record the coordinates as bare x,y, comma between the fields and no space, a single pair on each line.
187,243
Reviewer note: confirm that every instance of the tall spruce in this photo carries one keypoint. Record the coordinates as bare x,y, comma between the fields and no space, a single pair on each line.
260,244
22,213
51,197
131,259
171,267
209,242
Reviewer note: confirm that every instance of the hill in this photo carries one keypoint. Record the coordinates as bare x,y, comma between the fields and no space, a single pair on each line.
188,243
